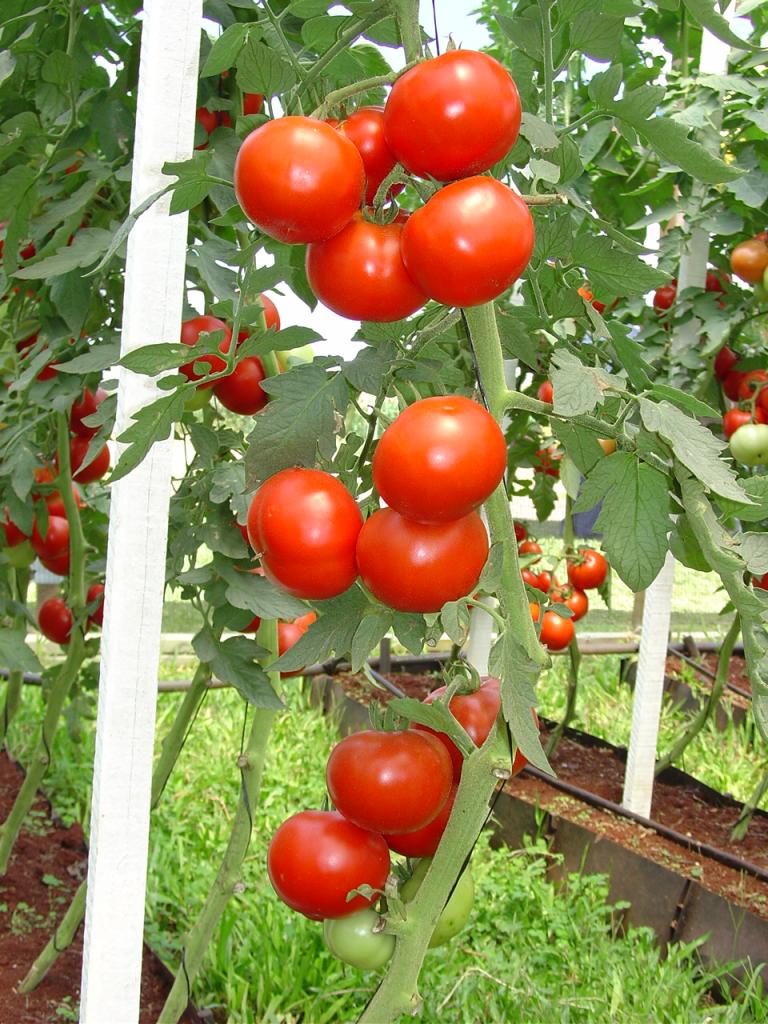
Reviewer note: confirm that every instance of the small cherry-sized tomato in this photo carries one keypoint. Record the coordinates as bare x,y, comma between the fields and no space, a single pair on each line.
749,260
360,274
13,535
85,406
298,179
271,314
289,633
389,781
475,712
716,281
365,129
530,578
54,502
546,461
208,121
96,469
316,858
749,444
761,582
354,941
732,383
55,543
521,531
734,419
608,444
456,911
453,116
588,570
96,593
252,103
469,242
556,630
190,332
574,599
750,382
725,360
664,297
417,567
424,841
240,391
55,620
304,523
545,581
530,547
545,392
440,459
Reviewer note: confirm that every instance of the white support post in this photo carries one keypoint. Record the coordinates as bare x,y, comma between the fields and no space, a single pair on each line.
130,650
657,613
478,647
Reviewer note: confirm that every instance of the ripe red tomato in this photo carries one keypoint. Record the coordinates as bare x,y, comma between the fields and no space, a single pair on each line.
475,712
365,129
664,297
13,535
469,242
761,405
289,633
424,841
530,547
545,392
87,406
316,857
55,543
240,391
725,360
588,571
55,620
95,470
732,383
298,179
452,116
556,632
59,566
389,781
761,582
305,525
520,531
417,567
530,578
575,599
734,419
96,592
208,120
190,332
751,382
55,503
749,260
545,581
271,315
360,274
716,281
252,103
440,459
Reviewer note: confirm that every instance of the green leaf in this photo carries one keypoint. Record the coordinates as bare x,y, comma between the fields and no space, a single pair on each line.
409,630
14,653
604,86
300,418
331,634
518,675
517,338
454,616
437,716
751,189
578,388
152,423
7,65
88,245
753,548
683,401
59,69
99,357
72,295
611,271
263,69
580,445
540,134
153,359
707,14
373,627
628,352
235,661
597,35
694,446
225,50
685,547
756,488
256,594
490,578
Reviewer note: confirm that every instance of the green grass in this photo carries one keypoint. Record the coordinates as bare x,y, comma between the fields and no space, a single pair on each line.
533,953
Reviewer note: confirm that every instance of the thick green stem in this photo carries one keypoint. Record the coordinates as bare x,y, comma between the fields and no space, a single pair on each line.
251,764
345,40
19,586
58,942
742,825
407,15
708,708
574,664
69,670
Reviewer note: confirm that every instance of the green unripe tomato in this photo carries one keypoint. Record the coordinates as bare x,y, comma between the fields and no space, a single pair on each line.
749,444
21,555
199,399
353,940
294,356
457,910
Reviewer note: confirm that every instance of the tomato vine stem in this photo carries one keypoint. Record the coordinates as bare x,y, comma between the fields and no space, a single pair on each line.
19,585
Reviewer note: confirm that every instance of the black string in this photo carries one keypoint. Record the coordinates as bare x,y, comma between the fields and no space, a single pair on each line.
186,975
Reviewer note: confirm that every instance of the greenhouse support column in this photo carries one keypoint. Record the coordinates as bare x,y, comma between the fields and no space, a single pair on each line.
130,650
646,707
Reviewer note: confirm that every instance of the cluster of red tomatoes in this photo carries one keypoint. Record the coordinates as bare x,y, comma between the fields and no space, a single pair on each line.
587,570
240,391
306,181
433,466
664,297
745,424
210,120
393,792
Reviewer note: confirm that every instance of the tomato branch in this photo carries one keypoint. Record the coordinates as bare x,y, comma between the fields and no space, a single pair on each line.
19,581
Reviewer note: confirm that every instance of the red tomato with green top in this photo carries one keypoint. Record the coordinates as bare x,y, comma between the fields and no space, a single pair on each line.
417,567
475,712
389,781
751,382
574,599
664,298
530,547
732,383
55,620
556,632
588,570
469,242
453,116
360,274
440,459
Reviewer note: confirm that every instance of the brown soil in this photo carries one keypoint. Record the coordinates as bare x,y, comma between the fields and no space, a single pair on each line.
48,863
737,671
358,688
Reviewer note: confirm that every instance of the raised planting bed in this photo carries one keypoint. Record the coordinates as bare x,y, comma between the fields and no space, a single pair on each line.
679,871
47,866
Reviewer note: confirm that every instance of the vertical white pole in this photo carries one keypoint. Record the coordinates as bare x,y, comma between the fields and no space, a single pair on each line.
138,527
657,613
